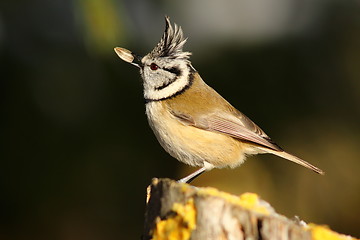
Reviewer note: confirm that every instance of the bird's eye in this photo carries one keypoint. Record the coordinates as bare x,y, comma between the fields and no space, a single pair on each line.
154,67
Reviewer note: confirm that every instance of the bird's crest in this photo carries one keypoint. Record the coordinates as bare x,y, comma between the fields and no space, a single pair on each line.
171,43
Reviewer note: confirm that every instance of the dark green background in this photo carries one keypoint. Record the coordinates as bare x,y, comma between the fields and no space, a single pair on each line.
76,150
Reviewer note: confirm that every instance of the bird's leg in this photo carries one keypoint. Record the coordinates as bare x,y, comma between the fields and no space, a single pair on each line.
192,176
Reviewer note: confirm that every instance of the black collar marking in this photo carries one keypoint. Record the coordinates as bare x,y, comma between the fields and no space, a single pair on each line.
181,91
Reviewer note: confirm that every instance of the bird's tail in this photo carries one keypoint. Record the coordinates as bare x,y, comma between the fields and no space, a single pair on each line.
295,159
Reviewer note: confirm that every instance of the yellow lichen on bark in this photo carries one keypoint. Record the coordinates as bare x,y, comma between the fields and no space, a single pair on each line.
179,226
181,212
249,201
319,232
252,201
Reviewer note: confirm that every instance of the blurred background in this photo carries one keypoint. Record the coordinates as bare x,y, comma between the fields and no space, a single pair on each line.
77,153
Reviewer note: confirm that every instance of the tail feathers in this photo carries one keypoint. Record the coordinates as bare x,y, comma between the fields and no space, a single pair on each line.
297,160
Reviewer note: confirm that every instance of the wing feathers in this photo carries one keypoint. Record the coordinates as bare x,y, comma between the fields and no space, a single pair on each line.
237,130
234,128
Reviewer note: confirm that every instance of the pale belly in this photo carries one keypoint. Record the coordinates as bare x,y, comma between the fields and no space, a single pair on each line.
192,145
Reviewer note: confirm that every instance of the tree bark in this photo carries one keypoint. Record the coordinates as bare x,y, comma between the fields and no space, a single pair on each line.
180,211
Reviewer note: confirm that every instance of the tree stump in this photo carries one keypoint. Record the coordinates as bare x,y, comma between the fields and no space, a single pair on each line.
178,211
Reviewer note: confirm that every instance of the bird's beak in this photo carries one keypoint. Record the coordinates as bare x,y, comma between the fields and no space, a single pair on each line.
128,56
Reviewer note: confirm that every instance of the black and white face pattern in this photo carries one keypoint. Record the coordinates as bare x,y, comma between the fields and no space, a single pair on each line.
164,77
166,70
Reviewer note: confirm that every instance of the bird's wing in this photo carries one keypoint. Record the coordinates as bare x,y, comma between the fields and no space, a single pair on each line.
235,125
248,131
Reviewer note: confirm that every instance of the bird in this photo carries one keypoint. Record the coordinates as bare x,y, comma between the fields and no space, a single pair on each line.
191,121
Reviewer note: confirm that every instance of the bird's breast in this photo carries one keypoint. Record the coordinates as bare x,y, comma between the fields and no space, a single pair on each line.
192,145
